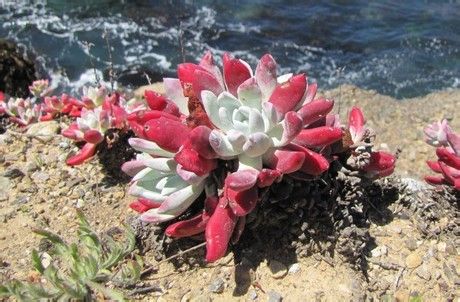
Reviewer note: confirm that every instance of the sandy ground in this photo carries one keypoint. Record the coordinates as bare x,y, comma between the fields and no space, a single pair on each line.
37,189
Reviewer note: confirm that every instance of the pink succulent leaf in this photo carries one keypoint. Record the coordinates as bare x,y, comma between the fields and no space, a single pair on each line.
219,231
84,154
242,180
315,110
266,76
287,95
436,133
93,136
132,167
318,137
333,120
73,132
2,96
139,207
381,164
454,141
242,202
236,72
314,164
186,228
449,177
310,93
283,133
249,94
356,123
167,133
199,141
239,228
435,180
285,161
190,177
158,102
149,147
448,157
204,80
207,62
192,161
434,165
174,92
266,177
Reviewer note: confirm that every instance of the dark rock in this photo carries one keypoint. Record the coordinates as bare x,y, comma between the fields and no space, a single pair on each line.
13,173
17,71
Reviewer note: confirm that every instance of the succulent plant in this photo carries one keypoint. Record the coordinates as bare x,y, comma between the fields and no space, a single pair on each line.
40,88
96,117
21,111
447,143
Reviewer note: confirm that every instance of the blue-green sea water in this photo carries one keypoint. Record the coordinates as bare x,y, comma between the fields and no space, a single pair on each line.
400,48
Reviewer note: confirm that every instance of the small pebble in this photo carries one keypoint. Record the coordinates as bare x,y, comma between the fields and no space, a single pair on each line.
217,286
423,273
411,244
13,173
274,296
413,260
252,295
379,251
294,268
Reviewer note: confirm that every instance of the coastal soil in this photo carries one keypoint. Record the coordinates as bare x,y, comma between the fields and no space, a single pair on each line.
409,250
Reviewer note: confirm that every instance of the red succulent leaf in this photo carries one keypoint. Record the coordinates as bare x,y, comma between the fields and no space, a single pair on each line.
85,153
46,117
449,176
242,180
199,141
435,180
310,93
318,137
187,228
167,133
434,165
156,101
381,164
2,96
448,157
287,95
235,73
93,136
356,123
286,161
266,177
192,161
242,202
219,231
314,163
315,110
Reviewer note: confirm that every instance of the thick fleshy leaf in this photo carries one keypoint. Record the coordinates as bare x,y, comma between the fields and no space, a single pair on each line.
84,154
434,165
356,123
435,180
310,93
149,147
454,141
455,181
199,141
318,137
242,202
314,163
286,96
313,111
447,157
143,116
287,130
239,228
174,92
207,62
242,180
192,161
257,144
132,167
436,133
158,102
266,177
93,137
249,94
223,146
285,161
189,176
204,80
139,207
266,76
219,231
187,228
381,163
168,134
236,72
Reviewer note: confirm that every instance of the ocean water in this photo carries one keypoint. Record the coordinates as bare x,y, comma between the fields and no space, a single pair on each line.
399,48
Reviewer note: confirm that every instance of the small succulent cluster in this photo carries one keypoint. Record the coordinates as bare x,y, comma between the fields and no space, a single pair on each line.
101,111
222,138
447,143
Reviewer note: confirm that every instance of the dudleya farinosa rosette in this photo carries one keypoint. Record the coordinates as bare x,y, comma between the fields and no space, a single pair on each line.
264,125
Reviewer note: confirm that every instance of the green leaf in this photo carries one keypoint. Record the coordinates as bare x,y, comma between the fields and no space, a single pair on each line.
37,262
110,293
